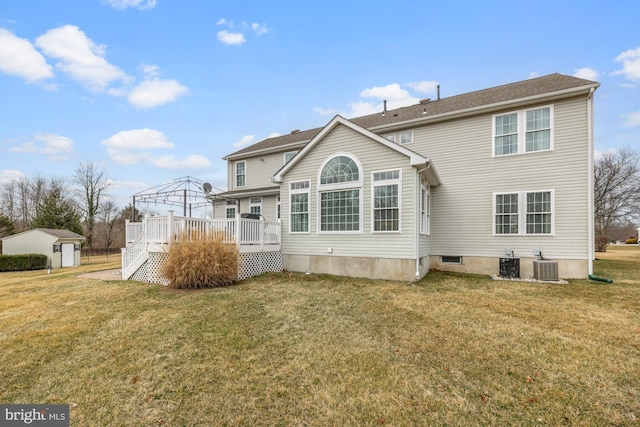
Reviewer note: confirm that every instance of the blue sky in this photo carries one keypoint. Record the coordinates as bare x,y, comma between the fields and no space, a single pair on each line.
153,90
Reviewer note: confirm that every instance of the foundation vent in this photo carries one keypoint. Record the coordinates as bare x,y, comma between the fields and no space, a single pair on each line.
544,269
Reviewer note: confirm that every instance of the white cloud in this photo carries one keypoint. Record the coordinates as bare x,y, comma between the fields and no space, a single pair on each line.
429,87
155,92
245,140
631,119
46,144
533,74
586,73
134,146
394,94
18,57
8,175
598,154
231,38
325,111
123,4
259,29
79,57
191,162
630,64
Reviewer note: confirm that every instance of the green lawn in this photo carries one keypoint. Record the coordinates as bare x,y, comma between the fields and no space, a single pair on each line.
291,349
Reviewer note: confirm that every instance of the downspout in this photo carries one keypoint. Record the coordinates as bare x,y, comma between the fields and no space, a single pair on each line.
591,208
417,223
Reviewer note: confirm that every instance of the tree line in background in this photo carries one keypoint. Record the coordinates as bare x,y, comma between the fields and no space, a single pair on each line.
616,197
85,206
81,205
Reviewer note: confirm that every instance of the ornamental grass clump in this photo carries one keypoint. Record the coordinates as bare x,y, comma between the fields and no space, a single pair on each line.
200,260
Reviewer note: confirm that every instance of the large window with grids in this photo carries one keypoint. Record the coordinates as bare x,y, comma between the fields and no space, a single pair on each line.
524,212
523,131
386,200
340,191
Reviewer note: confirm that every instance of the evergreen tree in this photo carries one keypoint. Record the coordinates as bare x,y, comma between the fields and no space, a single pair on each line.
56,212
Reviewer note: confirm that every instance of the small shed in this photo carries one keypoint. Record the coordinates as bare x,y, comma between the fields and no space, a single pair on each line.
62,247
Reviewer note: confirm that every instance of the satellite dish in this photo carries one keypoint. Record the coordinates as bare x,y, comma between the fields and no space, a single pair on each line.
206,187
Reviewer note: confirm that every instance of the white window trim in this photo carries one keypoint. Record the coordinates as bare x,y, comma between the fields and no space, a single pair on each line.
301,191
391,137
522,213
522,131
351,185
291,153
226,212
424,226
235,173
254,204
381,183
405,132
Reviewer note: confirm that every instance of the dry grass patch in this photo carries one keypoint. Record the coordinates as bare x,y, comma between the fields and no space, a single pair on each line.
289,349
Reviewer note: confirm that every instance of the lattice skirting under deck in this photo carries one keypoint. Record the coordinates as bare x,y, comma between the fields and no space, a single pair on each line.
255,263
249,265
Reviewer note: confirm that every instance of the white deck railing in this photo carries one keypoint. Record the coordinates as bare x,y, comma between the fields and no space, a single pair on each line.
161,230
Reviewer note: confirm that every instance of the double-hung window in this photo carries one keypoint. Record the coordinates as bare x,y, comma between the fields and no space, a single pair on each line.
524,213
340,191
255,205
299,207
230,211
523,131
241,174
386,200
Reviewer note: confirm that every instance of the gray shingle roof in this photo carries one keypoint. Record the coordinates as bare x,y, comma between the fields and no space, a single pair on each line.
509,92
61,234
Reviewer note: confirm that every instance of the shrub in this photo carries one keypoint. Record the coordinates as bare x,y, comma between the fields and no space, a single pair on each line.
602,243
200,260
631,241
23,262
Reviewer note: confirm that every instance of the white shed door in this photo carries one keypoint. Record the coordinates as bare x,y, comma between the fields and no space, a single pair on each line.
67,255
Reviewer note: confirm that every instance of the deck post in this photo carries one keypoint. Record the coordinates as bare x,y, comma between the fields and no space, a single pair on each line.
238,224
170,226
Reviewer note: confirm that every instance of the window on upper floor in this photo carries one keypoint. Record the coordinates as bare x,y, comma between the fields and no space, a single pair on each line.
299,207
523,131
340,192
391,137
406,137
385,202
241,173
288,156
524,213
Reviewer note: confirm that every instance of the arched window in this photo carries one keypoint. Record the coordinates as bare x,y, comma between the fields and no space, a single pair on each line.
338,170
340,192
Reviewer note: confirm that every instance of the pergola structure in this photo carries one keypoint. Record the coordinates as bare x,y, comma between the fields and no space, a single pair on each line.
186,192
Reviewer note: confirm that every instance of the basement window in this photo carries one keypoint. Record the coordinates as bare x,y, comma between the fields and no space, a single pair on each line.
451,259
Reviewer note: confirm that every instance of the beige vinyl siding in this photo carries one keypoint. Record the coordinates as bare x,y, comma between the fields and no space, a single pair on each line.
372,156
462,207
259,170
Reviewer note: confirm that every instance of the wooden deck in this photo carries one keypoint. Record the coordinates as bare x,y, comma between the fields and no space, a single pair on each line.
155,234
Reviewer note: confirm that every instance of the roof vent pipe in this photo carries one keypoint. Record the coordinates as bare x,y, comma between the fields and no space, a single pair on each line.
384,110
438,92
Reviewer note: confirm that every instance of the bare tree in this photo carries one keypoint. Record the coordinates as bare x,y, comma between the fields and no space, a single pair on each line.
108,218
20,198
616,190
92,193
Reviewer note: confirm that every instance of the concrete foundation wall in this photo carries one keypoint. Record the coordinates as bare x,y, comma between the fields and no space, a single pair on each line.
372,268
567,268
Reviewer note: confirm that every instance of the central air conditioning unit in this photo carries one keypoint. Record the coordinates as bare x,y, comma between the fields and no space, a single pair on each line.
545,269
